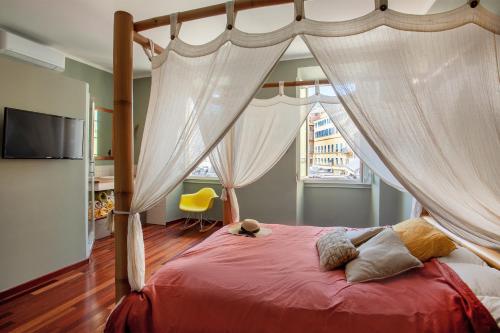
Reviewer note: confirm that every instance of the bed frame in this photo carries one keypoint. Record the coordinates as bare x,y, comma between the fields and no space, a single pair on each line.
125,33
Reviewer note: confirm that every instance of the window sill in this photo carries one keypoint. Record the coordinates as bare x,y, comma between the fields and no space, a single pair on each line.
315,182
202,180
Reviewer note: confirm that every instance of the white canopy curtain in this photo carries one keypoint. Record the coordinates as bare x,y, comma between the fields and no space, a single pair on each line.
258,140
199,91
264,132
429,103
358,143
364,151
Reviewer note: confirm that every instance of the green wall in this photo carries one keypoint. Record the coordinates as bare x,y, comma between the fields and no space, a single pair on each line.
43,202
392,204
100,82
337,205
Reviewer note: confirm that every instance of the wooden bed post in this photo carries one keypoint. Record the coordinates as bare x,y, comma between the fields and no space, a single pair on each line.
227,217
123,139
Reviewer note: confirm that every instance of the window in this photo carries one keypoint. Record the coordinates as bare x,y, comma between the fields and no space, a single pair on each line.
335,160
204,170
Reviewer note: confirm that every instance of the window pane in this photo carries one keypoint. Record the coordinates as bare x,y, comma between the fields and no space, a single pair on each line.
329,156
204,169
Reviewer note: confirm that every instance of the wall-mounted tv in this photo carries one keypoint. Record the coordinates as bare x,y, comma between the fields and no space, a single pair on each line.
34,135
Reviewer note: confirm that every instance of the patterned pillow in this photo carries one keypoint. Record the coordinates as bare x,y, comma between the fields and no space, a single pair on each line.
335,249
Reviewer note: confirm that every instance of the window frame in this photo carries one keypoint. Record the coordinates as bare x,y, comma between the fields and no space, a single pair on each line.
201,179
366,174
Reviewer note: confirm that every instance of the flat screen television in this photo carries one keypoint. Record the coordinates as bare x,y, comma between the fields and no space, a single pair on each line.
34,135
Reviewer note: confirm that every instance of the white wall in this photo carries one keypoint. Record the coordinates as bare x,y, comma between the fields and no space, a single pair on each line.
43,203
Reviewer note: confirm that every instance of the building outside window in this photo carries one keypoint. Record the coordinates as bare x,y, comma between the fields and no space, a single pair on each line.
204,169
329,157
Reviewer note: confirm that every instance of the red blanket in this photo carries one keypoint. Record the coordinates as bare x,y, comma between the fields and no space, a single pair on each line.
274,284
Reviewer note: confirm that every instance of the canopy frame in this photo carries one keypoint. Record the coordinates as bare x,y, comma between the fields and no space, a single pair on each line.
126,32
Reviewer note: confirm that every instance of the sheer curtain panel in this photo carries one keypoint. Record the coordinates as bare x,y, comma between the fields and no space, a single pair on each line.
365,152
196,95
258,140
358,143
429,104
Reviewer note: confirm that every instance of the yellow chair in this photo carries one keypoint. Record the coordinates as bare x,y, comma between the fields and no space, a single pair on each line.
197,203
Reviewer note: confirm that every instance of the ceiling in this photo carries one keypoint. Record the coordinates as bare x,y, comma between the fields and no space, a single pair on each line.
83,29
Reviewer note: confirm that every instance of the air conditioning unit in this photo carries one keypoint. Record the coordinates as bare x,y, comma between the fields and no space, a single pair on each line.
27,50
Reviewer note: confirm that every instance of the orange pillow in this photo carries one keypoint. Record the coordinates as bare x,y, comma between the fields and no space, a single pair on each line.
423,240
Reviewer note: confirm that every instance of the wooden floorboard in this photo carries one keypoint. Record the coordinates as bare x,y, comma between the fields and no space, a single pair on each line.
80,300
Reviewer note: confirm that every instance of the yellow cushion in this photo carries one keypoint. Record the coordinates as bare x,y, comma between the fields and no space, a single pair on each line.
423,240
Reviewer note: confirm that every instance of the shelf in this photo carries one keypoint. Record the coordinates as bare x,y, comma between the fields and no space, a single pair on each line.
103,184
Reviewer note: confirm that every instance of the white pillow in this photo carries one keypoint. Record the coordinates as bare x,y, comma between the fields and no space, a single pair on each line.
462,256
482,280
381,257
493,305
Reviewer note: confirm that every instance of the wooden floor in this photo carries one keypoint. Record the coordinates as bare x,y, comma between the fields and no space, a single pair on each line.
81,300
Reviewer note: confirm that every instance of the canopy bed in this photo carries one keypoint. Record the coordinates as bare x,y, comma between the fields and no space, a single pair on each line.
274,284
430,81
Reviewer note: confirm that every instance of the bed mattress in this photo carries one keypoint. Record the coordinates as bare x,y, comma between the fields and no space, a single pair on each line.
230,283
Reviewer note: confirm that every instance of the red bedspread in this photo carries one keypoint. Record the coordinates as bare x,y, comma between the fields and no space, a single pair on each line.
274,284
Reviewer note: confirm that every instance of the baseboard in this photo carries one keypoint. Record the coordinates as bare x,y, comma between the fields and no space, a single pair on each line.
38,283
